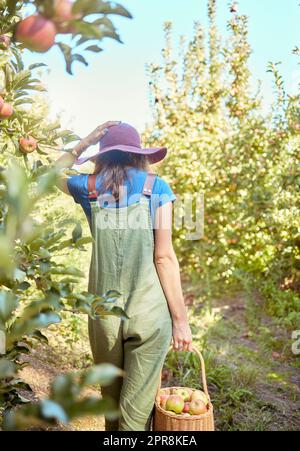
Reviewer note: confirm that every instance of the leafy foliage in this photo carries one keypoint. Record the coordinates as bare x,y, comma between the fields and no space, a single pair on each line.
36,286
64,403
34,289
244,161
88,25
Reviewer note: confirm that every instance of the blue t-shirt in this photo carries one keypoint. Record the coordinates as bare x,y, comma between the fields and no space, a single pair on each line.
134,184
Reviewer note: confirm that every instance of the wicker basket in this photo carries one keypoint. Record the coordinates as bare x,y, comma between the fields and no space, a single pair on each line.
165,421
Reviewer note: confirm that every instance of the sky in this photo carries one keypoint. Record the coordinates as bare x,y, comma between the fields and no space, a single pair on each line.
115,85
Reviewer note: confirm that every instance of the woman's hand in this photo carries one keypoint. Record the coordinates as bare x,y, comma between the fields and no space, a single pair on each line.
94,137
182,336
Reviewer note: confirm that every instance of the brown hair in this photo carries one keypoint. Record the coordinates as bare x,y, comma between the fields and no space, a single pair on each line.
113,167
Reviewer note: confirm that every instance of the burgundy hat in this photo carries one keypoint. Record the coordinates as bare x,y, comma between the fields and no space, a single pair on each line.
125,138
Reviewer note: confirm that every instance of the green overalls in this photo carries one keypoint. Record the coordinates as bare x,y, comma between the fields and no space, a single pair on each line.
122,259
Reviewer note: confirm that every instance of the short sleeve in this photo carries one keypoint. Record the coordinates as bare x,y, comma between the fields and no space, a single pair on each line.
163,193
77,187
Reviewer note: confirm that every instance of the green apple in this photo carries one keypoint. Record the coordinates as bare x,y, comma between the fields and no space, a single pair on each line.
197,407
198,394
175,403
183,393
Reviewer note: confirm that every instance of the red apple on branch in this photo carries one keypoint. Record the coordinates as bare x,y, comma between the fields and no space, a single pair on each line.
28,145
4,42
62,10
6,110
63,15
36,33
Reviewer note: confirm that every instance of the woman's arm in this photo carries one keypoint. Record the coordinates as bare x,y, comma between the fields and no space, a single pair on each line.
167,267
67,160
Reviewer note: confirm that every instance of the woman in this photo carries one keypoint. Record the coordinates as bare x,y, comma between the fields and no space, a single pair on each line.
130,215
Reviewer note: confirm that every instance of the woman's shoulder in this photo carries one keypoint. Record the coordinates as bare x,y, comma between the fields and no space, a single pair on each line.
78,185
162,191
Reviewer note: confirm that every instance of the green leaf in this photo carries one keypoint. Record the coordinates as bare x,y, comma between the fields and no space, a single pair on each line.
115,8
36,65
88,30
63,388
84,240
7,368
118,311
112,294
71,271
8,303
22,328
94,48
52,411
103,374
22,286
77,232
43,253
19,275
94,406
37,334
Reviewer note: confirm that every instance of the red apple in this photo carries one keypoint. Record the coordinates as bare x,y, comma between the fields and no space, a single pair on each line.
183,393
28,145
4,42
62,10
163,401
175,403
197,407
36,33
190,391
1,102
198,394
63,14
186,407
6,111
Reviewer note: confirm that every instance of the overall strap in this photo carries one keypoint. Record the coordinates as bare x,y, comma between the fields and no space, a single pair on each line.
149,183
92,187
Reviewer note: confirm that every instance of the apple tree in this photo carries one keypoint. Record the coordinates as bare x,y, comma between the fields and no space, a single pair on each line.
36,286
243,160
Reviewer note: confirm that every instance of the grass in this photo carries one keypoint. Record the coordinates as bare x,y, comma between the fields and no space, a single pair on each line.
250,389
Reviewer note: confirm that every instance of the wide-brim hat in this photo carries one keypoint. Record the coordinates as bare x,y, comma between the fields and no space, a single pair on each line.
125,138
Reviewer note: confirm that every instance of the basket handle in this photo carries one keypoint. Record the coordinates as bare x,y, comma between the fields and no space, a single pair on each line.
203,372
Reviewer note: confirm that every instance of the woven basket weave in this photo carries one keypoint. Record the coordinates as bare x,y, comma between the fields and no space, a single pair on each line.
165,421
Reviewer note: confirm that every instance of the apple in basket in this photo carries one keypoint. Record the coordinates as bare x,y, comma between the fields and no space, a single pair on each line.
198,394
175,404
190,392
197,407
183,393
186,408
163,401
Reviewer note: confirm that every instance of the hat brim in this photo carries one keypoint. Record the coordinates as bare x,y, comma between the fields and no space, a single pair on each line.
154,155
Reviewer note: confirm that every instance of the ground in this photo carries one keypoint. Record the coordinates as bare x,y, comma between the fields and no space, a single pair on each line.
254,379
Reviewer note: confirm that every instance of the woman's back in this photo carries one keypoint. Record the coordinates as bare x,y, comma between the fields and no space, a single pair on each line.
130,192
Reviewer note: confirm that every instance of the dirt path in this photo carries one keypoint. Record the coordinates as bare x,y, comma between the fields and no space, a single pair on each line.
39,374
254,385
